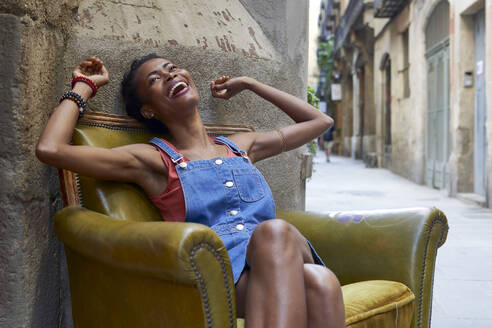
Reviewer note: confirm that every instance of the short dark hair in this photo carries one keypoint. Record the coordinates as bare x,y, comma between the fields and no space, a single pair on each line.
133,104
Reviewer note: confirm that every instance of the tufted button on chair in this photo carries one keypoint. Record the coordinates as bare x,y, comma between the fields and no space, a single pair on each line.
128,268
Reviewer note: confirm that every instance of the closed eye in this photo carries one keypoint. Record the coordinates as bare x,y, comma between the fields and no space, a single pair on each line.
172,68
153,79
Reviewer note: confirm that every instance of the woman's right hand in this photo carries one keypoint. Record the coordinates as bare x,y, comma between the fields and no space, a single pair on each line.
126,163
92,68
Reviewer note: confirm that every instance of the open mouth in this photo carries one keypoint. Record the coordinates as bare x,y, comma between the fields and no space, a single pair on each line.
178,89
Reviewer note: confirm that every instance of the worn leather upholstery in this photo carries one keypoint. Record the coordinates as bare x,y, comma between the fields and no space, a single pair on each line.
129,269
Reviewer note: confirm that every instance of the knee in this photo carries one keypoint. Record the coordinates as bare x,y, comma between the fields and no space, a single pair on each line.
320,282
273,236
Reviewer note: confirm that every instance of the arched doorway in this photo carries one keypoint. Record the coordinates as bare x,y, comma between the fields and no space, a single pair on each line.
437,136
385,67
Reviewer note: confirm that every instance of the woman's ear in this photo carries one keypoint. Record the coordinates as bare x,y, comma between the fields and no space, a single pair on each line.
147,112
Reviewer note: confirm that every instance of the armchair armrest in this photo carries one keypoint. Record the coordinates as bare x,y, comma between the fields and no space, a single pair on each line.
170,257
399,245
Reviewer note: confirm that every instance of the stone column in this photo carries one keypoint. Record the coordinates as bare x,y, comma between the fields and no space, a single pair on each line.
33,284
356,107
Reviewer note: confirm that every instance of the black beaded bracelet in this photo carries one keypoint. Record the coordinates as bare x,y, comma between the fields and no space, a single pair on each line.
75,97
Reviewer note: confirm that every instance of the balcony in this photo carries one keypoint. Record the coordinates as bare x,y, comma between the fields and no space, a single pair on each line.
354,9
324,30
388,8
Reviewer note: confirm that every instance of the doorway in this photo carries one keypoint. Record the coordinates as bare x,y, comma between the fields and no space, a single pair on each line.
437,132
480,139
387,114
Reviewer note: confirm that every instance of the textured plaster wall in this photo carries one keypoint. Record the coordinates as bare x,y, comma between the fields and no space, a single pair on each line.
462,100
407,114
272,53
41,42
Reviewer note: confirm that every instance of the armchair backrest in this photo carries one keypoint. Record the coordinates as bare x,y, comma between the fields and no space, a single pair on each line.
117,199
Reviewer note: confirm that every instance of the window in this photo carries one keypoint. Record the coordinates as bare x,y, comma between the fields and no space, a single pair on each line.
406,65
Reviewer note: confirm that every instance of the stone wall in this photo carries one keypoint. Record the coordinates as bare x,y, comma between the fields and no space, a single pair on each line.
41,42
407,113
462,99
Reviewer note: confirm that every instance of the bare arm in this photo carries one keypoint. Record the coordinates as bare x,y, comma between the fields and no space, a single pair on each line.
310,122
54,146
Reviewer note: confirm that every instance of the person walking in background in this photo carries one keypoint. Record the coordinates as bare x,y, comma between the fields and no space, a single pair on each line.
328,142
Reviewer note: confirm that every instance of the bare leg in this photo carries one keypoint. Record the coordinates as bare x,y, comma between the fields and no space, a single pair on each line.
324,301
241,292
276,255
324,298
327,152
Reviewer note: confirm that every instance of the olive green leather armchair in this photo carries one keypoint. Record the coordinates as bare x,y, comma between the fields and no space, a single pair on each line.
128,268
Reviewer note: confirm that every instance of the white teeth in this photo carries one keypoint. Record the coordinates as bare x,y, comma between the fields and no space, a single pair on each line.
171,93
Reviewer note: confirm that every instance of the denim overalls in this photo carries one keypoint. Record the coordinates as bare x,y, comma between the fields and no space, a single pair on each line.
227,194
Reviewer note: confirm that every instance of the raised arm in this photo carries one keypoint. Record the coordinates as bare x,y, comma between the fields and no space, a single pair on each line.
310,122
54,146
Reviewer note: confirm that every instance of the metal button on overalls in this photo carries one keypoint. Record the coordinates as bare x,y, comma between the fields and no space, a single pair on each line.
216,191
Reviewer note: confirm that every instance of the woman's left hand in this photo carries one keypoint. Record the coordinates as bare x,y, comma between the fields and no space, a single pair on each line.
225,87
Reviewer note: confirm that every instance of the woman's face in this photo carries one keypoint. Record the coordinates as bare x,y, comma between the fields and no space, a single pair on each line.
165,89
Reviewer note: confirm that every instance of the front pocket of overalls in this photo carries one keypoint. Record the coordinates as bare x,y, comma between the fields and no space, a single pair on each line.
248,183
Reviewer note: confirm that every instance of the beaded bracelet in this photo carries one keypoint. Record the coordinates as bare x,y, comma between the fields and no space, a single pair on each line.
75,97
87,81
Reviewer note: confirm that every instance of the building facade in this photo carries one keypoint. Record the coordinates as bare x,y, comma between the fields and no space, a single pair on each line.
415,78
329,15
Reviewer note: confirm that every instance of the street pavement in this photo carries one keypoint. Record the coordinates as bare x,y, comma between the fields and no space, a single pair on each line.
463,278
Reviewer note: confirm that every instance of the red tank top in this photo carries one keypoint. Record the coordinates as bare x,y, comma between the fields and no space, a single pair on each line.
170,202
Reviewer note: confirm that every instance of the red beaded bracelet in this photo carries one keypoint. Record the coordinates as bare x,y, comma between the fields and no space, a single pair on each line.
86,81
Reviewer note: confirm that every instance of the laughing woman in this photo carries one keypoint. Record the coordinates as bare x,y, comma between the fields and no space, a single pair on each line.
280,280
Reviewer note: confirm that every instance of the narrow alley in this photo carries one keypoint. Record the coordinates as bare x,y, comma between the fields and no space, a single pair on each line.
463,279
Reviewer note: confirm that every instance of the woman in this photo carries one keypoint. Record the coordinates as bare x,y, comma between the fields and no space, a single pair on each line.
277,281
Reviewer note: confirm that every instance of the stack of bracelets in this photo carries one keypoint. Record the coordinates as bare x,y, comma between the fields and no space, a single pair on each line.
75,97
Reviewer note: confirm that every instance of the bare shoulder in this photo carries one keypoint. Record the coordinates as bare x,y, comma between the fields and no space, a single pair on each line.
243,140
259,145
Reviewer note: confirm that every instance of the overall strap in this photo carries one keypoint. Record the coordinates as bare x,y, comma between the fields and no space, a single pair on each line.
231,145
173,155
